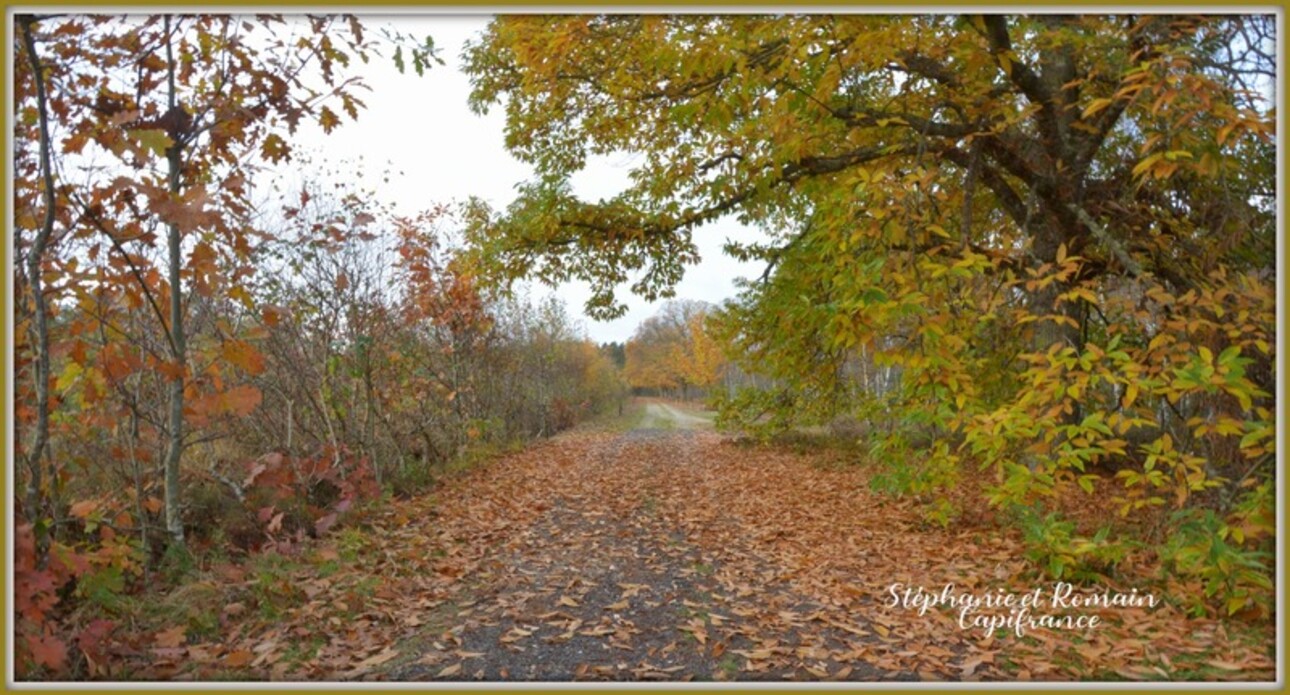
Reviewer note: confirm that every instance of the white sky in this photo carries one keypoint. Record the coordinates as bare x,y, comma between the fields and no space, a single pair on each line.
423,128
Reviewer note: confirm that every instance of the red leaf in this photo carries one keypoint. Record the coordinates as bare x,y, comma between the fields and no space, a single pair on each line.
48,651
90,640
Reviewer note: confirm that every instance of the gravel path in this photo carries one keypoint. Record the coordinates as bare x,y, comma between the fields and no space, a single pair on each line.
663,416
612,588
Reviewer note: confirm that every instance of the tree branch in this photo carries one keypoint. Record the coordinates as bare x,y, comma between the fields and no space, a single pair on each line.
1102,235
1026,79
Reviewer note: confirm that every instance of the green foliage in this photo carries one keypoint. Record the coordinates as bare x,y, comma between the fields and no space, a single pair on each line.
925,473
273,586
1055,548
103,587
762,413
1232,561
177,564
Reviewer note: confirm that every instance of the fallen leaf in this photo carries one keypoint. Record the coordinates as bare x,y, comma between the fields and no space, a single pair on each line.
169,639
238,658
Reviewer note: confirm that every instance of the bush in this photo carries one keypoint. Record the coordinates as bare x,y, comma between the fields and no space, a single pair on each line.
1052,544
1231,560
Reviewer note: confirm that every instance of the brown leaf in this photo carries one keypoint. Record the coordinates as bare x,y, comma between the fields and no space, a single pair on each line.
377,659
171,638
238,658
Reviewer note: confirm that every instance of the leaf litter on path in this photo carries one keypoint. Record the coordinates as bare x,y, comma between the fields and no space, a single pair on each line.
660,555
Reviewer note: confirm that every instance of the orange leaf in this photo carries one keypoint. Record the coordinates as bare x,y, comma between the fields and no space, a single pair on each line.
242,400
271,315
244,356
238,658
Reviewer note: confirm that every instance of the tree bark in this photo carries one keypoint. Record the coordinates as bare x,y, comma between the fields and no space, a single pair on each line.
35,269
175,447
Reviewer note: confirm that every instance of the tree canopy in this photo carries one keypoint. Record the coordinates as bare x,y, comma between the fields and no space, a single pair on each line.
1012,136
1054,233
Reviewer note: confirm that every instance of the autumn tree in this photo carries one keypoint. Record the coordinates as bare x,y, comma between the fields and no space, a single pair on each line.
674,350
160,123
1056,231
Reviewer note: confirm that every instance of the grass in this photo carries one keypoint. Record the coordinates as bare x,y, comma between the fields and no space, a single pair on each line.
350,543
611,420
440,619
197,606
300,652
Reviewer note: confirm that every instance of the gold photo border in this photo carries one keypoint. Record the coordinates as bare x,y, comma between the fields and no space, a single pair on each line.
393,8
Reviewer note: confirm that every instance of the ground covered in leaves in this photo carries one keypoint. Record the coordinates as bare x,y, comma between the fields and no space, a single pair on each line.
658,552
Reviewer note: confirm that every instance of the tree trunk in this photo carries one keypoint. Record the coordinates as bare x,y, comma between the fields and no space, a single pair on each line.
1043,302
174,450
35,269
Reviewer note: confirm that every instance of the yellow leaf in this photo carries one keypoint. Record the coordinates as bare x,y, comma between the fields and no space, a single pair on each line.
1095,106
68,376
1005,62
1146,164
153,139
1130,395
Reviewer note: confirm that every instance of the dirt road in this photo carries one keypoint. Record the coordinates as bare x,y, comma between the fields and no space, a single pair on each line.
664,552
659,415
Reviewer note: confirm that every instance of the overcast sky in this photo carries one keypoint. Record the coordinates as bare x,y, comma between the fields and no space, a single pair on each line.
424,129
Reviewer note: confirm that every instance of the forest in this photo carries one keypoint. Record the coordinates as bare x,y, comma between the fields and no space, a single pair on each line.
1012,336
